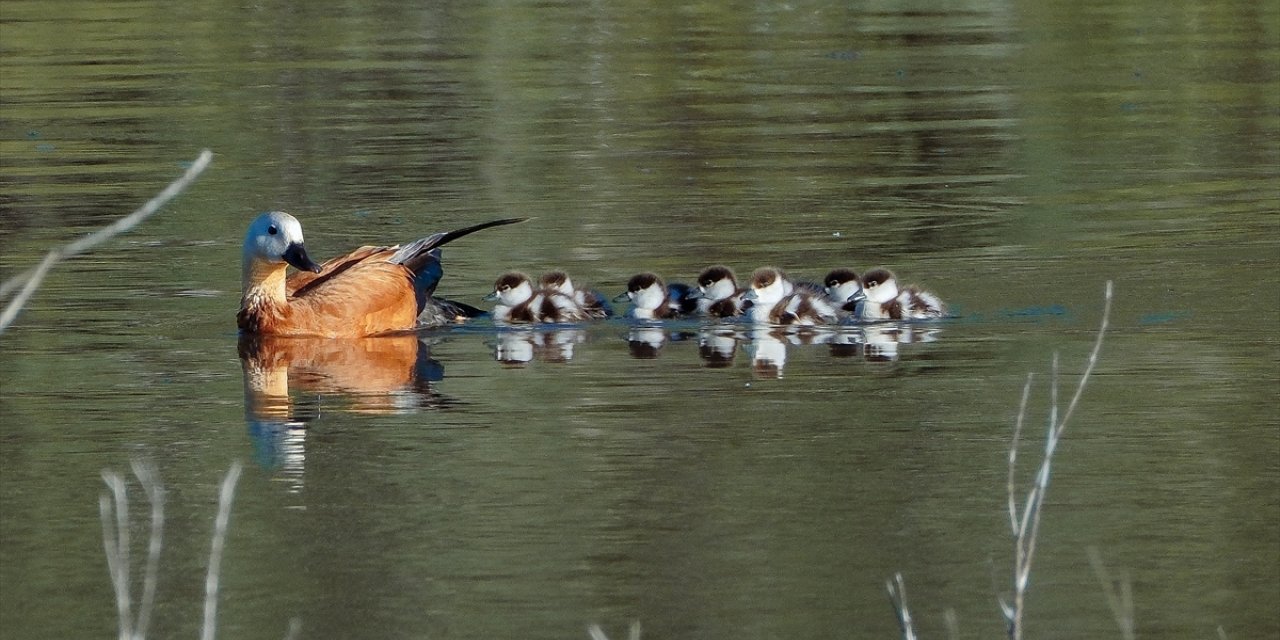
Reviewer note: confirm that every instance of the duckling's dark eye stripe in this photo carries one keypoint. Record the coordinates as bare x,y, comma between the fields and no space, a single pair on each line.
272,230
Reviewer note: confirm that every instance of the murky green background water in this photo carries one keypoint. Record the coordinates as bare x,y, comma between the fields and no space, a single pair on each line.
1010,157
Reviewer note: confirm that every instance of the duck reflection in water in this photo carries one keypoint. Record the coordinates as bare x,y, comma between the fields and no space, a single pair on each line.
518,347
285,378
717,346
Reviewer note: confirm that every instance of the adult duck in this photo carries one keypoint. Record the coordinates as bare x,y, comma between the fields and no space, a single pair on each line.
369,291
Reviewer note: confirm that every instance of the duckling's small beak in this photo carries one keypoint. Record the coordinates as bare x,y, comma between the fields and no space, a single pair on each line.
296,255
622,297
696,294
493,295
750,294
858,296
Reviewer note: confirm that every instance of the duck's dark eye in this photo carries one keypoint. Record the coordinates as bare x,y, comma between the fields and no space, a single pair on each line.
272,230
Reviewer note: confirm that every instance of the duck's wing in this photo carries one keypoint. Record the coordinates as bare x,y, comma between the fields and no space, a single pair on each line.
370,297
301,279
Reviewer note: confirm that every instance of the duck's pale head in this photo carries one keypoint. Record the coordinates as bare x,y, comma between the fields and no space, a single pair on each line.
275,238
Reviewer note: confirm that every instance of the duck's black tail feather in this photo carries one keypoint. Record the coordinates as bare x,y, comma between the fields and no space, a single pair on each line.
417,254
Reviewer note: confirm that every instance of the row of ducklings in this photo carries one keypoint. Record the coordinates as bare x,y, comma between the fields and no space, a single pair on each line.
768,298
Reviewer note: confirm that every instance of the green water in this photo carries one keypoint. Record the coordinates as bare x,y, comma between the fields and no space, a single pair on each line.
1010,158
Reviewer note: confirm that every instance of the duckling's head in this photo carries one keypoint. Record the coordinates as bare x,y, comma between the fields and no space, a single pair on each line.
880,286
717,283
841,284
557,281
768,286
511,288
645,291
275,238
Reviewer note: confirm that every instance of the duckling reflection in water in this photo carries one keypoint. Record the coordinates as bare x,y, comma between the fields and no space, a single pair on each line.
519,302
717,347
519,347
768,353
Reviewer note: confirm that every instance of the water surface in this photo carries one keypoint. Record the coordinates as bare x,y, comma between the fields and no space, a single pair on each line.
708,482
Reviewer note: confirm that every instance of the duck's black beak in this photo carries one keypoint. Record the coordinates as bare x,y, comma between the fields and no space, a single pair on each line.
296,255
622,297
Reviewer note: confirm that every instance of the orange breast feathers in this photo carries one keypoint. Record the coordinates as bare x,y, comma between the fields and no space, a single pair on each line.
361,299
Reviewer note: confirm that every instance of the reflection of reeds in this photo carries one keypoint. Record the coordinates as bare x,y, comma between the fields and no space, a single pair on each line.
1025,524
30,279
598,633
114,509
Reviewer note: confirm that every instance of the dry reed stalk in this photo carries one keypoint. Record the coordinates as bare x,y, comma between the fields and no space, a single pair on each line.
30,279
898,598
1025,525
225,495
1119,593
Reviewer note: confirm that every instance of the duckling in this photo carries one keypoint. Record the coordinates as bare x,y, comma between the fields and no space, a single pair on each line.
718,294
650,298
884,301
805,309
843,289
767,287
776,300
589,300
519,302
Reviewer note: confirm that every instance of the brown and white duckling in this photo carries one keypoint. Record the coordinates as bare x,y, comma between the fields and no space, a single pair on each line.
650,298
589,300
718,294
885,301
520,302
843,289
776,300
766,288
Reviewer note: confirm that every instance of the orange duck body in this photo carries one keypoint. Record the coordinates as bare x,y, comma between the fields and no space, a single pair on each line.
369,291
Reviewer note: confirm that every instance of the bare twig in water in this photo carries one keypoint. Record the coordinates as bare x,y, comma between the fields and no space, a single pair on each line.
898,598
113,506
1025,525
30,279
215,553
598,633
114,509
953,624
1119,593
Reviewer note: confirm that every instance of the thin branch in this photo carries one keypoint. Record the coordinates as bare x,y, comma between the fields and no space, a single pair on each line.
1120,601
30,279
953,624
1026,527
147,476
597,633
115,542
1013,454
898,598
225,495
295,628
